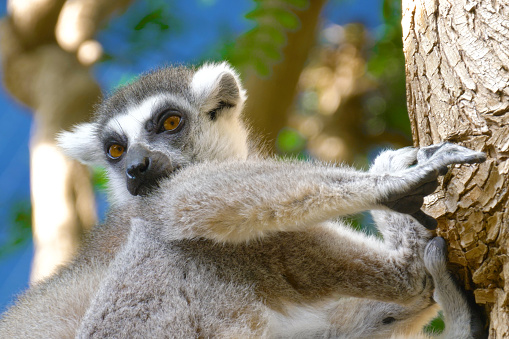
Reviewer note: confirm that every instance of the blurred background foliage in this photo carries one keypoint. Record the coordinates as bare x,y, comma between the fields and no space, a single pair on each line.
345,102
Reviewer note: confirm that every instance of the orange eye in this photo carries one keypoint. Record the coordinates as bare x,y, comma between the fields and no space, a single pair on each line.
116,150
171,123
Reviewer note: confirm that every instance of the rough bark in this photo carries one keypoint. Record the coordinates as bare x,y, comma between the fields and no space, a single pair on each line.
46,51
457,57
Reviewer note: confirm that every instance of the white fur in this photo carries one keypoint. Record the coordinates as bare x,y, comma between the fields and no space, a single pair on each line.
205,79
300,321
130,124
117,190
224,138
81,144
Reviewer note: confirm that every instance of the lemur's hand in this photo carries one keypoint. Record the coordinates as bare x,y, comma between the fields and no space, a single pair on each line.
420,180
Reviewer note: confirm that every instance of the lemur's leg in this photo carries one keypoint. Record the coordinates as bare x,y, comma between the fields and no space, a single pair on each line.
401,231
462,321
363,318
356,318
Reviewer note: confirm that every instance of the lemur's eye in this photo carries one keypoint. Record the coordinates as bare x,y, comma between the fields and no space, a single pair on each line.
115,151
171,122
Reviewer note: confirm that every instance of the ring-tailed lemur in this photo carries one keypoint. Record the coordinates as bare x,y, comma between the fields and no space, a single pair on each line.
220,242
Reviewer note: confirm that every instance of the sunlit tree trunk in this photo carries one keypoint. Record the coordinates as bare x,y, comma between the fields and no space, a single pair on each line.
457,57
47,48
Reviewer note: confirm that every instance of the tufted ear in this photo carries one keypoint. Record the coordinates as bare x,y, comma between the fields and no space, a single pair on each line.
218,89
81,143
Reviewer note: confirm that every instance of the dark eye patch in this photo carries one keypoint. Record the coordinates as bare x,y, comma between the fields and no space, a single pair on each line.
111,138
388,320
158,126
161,112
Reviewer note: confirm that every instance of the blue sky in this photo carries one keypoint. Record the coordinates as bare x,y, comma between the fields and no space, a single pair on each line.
201,24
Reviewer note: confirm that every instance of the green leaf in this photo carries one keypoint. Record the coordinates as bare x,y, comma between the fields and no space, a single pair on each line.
261,67
155,17
274,34
259,11
19,228
298,4
290,141
386,9
271,51
287,19
99,178
436,325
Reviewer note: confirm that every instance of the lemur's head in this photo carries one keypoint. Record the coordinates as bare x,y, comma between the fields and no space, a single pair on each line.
163,121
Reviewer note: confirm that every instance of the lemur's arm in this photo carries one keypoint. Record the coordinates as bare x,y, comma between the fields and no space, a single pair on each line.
242,201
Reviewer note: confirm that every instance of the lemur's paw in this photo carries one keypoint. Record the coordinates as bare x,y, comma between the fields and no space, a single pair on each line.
421,180
435,255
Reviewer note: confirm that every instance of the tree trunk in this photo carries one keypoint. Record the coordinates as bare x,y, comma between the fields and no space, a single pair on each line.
457,57
46,51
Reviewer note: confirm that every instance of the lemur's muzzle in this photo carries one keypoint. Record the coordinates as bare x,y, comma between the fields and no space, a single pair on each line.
144,168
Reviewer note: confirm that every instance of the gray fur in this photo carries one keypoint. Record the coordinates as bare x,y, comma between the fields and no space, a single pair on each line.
229,244
267,253
175,80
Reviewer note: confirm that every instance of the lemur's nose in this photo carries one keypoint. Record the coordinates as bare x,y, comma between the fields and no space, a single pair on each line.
144,168
137,167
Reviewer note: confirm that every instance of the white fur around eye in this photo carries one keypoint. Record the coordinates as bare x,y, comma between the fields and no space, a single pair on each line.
131,124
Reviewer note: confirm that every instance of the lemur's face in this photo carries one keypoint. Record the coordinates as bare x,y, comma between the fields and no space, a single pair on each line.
160,123
147,142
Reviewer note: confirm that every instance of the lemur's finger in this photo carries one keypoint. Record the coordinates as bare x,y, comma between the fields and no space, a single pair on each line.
408,205
425,153
477,158
427,188
435,256
443,170
427,221
448,154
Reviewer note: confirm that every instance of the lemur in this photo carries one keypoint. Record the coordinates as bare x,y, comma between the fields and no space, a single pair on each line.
206,238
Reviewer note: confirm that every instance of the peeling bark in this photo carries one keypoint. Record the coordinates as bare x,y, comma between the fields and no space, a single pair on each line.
457,59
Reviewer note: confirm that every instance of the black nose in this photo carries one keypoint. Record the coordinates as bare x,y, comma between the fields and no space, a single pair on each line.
144,168
138,167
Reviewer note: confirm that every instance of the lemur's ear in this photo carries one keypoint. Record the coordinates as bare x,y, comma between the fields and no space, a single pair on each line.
81,144
218,89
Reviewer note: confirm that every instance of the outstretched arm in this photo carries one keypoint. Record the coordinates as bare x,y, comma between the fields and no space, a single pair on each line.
242,201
